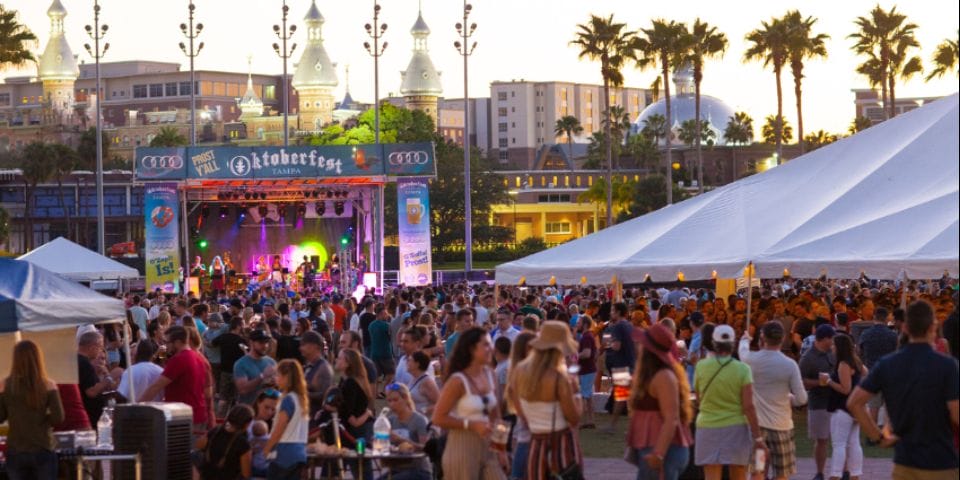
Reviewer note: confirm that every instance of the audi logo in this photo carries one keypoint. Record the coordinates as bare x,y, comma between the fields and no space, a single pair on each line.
408,158
153,162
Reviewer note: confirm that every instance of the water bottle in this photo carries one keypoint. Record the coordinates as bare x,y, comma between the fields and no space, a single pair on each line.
105,427
381,433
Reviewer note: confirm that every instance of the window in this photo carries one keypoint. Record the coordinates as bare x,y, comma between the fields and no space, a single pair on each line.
206,88
557,228
503,155
4,99
219,89
503,143
502,96
269,92
513,94
156,90
502,111
513,124
513,109
233,90
139,91
513,140
170,89
502,127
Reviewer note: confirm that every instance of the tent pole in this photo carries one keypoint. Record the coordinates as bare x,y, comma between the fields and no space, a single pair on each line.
749,295
903,293
126,350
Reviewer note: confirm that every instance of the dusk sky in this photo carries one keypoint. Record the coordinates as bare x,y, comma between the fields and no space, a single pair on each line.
517,39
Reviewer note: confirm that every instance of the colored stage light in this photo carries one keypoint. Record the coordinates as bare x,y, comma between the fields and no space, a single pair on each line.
202,243
344,240
321,208
338,208
224,211
301,209
247,195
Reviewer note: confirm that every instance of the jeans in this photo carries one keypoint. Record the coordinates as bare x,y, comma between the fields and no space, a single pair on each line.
674,462
845,437
519,468
40,465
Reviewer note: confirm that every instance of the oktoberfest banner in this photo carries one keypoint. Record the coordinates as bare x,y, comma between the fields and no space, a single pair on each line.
413,207
162,237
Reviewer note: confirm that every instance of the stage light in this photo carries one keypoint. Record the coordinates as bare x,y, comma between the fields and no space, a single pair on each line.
247,195
205,210
338,208
236,196
242,211
321,208
329,194
301,209
202,244
224,211
263,195
344,240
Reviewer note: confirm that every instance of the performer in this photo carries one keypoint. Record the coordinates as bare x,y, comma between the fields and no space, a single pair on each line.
197,269
361,265
276,270
306,270
335,269
263,273
228,263
217,273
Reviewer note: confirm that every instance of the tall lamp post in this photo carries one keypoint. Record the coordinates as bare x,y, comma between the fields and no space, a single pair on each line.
285,33
466,49
376,32
192,32
97,32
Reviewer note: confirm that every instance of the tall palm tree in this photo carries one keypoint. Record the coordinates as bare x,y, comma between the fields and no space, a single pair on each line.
604,40
13,39
875,39
945,58
769,44
819,139
738,132
568,126
64,160
688,133
903,64
774,132
704,42
802,45
35,169
663,45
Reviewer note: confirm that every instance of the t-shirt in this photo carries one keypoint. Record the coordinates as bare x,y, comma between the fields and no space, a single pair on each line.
226,446
811,365
366,318
380,345
415,429
720,398
140,315
588,365
355,400
248,368
142,375
230,350
450,343
288,346
371,369
187,372
339,315
530,309
292,448
775,377
88,378
916,384
875,342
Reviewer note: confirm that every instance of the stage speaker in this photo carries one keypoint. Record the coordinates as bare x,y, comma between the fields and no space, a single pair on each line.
391,258
315,260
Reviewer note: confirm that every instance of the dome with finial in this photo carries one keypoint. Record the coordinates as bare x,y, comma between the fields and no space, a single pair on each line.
250,103
314,68
713,110
420,26
420,77
57,61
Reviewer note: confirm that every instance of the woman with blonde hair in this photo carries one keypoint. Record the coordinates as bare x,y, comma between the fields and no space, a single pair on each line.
659,435
549,403
409,431
290,425
30,402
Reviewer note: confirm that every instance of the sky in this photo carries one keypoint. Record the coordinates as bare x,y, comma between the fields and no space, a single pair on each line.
517,39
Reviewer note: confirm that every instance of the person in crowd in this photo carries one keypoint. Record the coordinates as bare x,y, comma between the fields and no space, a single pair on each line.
501,362
844,431
225,450
423,386
660,409
587,362
875,342
30,404
140,314
316,369
409,431
819,359
549,402
142,373
265,406
366,318
467,409
381,347
288,343
358,397
463,320
255,370
619,353
777,388
504,326
521,433
291,424
185,379
351,339
727,428
922,391
232,345
94,378
411,340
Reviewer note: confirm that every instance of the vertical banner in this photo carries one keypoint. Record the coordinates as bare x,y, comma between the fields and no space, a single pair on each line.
413,208
162,211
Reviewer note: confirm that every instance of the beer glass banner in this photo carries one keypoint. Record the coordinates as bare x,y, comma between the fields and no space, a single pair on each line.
162,237
413,207
256,163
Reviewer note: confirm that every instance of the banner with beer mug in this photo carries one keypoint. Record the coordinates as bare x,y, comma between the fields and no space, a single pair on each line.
413,208
162,238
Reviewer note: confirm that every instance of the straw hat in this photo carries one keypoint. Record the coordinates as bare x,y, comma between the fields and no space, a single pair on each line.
660,341
554,334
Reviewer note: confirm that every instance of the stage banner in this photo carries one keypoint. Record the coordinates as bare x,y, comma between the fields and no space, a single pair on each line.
413,208
162,238
156,163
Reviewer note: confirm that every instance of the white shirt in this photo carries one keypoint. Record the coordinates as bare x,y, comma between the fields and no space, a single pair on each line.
483,315
775,377
154,312
144,374
511,333
140,317
405,377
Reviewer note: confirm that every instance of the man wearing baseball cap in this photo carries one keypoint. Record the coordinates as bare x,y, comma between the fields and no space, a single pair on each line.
817,360
255,370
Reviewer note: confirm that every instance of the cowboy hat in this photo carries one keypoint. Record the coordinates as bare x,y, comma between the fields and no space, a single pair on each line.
554,334
660,341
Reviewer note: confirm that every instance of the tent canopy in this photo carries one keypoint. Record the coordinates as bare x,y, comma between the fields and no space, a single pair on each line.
33,299
76,262
882,202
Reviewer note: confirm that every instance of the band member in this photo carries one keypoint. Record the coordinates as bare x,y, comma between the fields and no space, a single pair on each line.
361,265
335,269
263,271
197,269
217,273
306,269
228,263
276,270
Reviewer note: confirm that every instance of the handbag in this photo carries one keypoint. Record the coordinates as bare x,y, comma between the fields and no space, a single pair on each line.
572,471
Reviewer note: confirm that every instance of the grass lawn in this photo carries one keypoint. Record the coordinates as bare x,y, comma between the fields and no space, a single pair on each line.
596,444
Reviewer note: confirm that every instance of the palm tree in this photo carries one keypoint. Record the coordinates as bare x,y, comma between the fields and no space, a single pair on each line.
819,139
655,127
739,132
945,58
13,38
802,45
688,133
903,65
876,39
663,45
35,168
169,137
64,160
859,124
568,126
770,129
769,44
655,88
703,42
609,42
644,151
619,129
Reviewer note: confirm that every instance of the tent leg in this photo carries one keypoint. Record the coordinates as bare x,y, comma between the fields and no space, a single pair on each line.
126,349
746,328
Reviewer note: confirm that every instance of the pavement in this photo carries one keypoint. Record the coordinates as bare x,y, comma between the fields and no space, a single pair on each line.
617,469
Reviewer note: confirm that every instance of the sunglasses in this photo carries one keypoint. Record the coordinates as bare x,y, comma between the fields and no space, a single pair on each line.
485,400
393,387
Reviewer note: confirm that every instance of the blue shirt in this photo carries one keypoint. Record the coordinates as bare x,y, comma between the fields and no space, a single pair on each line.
875,342
916,383
448,345
248,368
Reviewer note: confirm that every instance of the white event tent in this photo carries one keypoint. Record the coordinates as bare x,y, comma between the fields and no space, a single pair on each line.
76,262
883,202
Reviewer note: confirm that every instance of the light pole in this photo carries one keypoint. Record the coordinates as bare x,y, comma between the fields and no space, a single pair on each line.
376,32
97,32
192,33
466,49
285,33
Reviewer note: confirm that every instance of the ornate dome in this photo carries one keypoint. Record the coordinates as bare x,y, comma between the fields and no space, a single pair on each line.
683,108
314,68
57,61
420,77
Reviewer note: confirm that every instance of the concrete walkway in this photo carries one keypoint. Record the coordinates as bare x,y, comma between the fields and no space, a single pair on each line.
616,469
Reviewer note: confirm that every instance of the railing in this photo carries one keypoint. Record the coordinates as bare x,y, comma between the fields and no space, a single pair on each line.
391,278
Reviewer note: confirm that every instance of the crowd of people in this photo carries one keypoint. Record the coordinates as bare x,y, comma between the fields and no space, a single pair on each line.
495,383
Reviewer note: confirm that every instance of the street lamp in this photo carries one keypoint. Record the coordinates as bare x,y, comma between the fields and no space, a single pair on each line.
97,32
192,32
376,32
285,33
466,49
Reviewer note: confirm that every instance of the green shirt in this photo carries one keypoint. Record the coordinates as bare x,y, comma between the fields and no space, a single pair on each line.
720,404
31,430
380,340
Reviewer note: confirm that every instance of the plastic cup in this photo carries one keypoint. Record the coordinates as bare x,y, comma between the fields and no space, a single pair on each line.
824,378
499,435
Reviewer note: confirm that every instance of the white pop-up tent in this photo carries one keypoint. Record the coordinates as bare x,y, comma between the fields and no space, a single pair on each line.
883,202
76,262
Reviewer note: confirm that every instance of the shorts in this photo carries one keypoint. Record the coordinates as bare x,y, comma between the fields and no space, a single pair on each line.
818,424
586,385
385,366
901,472
723,446
781,455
